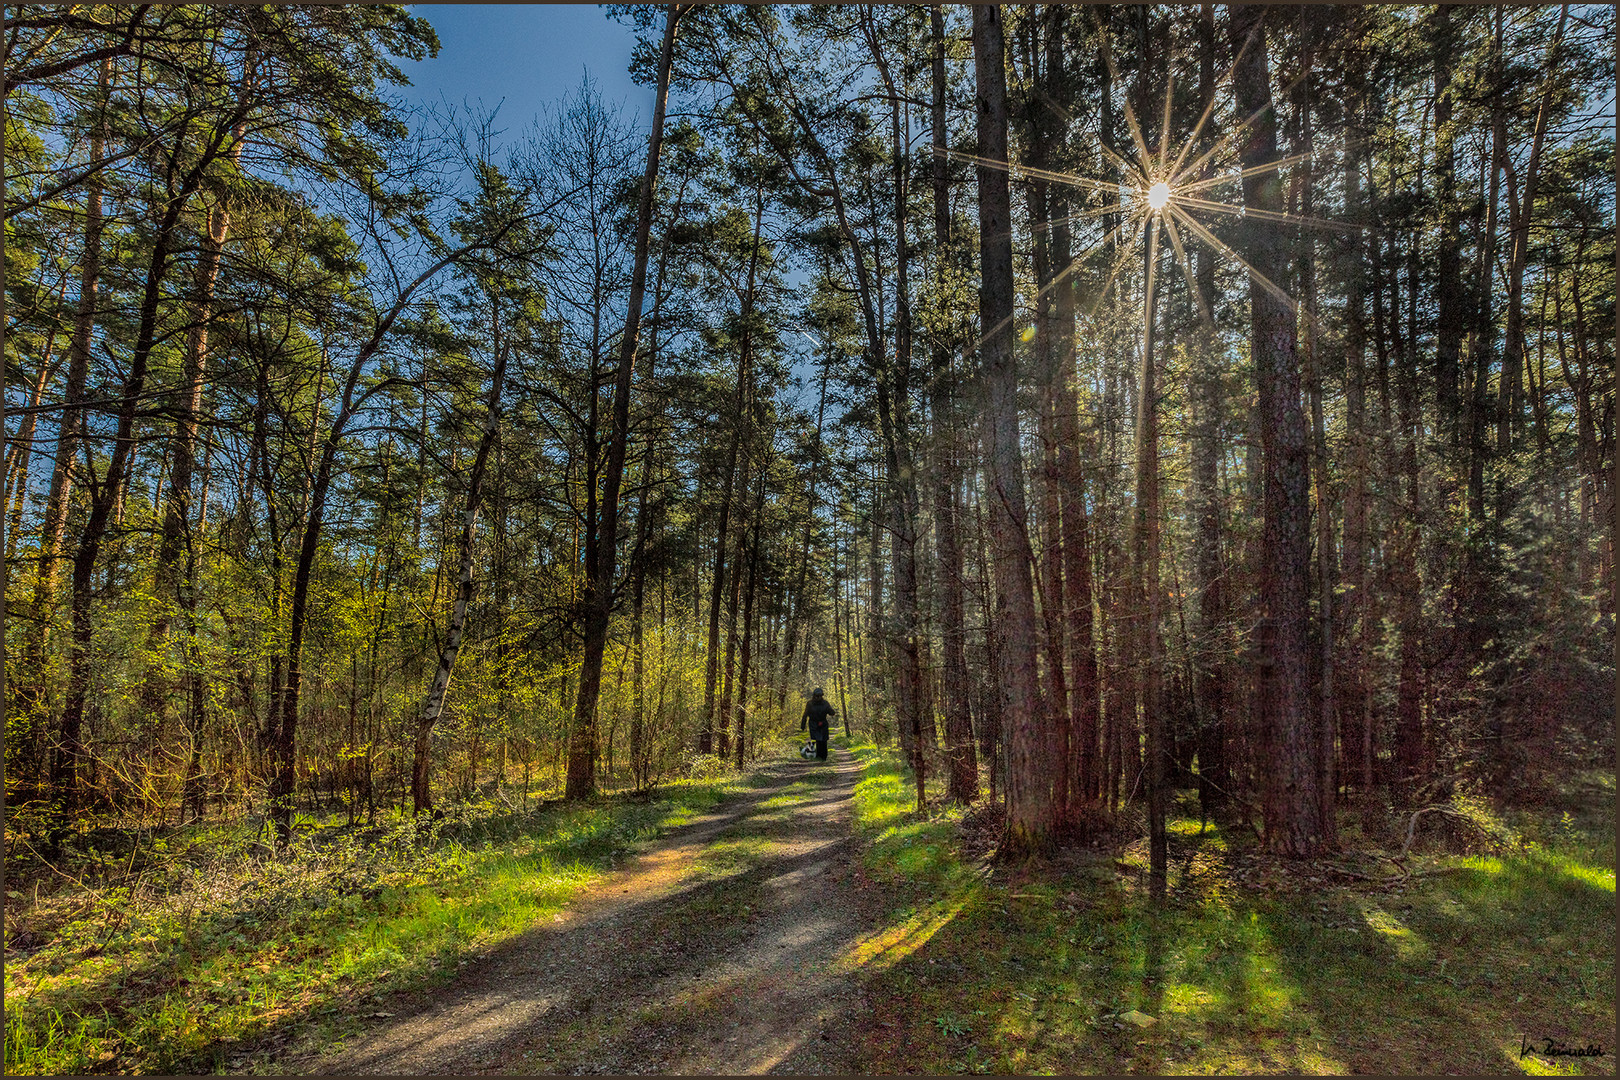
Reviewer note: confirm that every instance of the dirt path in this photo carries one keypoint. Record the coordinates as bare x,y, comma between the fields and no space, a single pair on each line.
712,952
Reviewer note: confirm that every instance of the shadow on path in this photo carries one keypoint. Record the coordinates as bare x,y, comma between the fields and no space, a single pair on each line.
710,953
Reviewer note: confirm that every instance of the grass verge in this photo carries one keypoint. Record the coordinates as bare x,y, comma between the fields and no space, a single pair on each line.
237,954
1471,965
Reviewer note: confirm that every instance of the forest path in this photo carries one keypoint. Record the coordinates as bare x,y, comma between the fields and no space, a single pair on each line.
715,951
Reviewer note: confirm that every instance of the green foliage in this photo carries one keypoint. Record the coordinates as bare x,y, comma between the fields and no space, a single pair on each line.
777,183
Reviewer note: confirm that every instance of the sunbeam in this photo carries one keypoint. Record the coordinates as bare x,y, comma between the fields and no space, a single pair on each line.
1253,170
1264,215
1215,242
1228,141
1204,312
1209,110
1167,188
1057,279
1031,171
1164,125
1126,255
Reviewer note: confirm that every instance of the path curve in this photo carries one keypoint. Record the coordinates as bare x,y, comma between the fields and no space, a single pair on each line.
714,952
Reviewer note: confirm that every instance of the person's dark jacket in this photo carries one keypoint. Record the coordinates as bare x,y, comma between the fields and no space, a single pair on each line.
817,716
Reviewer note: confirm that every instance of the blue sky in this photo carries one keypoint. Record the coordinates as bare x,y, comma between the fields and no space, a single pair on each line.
528,57
524,57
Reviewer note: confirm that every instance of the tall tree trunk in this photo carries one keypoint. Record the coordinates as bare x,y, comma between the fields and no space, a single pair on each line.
1209,571
1509,400
1145,542
638,591
21,451
713,733
964,767
841,625
1294,825
1406,585
169,583
433,706
1038,107
1028,779
70,421
747,657
598,599
1145,533
1079,720
1482,335
796,619
874,621
893,402
740,460
104,497
987,687
1327,564
722,535
22,746
1452,315
1356,607
722,723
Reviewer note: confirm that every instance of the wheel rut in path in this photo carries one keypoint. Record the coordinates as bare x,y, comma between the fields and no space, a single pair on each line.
718,950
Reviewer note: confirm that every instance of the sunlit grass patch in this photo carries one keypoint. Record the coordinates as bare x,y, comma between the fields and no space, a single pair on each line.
731,854
1533,1064
1394,932
1596,876
1043,974
242,945
879,951
904,846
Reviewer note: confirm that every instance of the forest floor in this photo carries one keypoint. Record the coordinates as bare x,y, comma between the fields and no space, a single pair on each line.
718,949
1470,955
807,918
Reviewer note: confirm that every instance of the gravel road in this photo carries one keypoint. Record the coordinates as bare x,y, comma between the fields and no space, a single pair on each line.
722,947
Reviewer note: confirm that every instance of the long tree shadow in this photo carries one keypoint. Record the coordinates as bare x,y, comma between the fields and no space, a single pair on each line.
646,982
1424,978
1047,974
112,997
146,1011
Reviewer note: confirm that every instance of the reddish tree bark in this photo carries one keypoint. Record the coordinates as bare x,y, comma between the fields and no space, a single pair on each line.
1029,791
1292,746
964,767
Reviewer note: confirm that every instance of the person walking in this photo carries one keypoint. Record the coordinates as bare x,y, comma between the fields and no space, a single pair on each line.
817,719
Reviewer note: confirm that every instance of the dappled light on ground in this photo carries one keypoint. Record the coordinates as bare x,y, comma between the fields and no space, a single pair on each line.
1255,966
714,951
880,951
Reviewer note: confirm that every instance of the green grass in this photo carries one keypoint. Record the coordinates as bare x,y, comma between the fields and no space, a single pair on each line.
240,955
1036,971
903,849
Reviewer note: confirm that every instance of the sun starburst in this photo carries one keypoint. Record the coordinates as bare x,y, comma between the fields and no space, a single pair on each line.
1166,191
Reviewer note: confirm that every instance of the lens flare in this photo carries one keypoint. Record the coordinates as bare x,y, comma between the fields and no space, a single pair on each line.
1158,195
